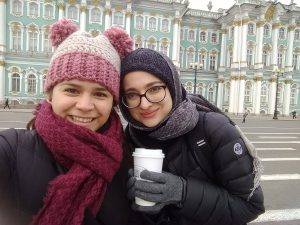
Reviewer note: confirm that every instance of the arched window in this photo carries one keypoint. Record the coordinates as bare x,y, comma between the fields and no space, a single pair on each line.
138,42
297,35
266,30
191,36
17,7
203,36
15,83
73,13
118,18
210,94
250,29
263,94
139,22
190,56
48,11
33,9
151,43
281,33
213,38
16,37
226,93
152,24
165,25
294,95
164,46
47,42
247,98
31,84
96,15
189,87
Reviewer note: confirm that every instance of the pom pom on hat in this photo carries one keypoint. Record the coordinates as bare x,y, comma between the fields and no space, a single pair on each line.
81,56
60,30
121,41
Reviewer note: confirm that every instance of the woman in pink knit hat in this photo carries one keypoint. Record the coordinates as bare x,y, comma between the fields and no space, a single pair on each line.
66,169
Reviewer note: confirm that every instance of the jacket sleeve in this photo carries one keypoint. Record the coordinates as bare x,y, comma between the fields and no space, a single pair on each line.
229,199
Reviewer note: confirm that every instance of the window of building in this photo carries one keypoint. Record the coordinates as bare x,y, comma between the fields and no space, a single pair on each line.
280,59
181,34
15,83
264,57
297,35
152,24
263,94
203,36
249,57
164,46
202,58
266,30
226,93
232,33
138,42
295,61
139,22
16,40
17,7
73,12
33,9
200,89
250,29
190,57
165,25
293,99
47,43
31,82
230,57
189,87
212,61
281,33
33,41
151,43
191,36
247,97
118,18
48,11
96,15
213,38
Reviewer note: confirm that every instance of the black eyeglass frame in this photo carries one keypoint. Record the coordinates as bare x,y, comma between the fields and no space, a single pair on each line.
144,95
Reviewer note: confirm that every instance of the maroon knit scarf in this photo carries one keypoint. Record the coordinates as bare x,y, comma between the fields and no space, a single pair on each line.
91,158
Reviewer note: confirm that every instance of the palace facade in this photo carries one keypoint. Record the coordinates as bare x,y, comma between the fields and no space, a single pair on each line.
246,57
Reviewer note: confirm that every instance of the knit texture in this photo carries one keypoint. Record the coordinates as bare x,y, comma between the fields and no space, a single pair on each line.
81,56
91,158
183,116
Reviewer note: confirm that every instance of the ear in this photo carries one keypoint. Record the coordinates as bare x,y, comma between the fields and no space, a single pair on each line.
49,97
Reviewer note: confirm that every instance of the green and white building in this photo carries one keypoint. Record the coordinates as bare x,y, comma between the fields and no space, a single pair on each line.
236,57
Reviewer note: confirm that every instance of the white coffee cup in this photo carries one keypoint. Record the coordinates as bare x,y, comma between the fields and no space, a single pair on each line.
147,159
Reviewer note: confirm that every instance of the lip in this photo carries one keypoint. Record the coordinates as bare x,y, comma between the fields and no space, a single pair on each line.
148,114
82,121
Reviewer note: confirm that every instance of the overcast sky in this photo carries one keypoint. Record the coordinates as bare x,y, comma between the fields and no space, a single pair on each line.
225,4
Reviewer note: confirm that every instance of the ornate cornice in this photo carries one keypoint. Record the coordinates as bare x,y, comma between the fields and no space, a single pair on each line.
257,78
288,81
276,25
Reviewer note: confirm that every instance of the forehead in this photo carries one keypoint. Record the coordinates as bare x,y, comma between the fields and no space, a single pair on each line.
81,84
140,80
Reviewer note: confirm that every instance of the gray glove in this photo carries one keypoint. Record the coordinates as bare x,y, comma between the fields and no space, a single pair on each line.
165,189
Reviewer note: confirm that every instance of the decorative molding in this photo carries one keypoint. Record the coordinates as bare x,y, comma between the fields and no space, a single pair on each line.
291,28
83,8
177,20
272,79
236,23
61,5
2,63
224,31
107,11
128,13
260,23
242,77
72,2
288,81
221,80
257,78
245,21
270,12
234,78
276,25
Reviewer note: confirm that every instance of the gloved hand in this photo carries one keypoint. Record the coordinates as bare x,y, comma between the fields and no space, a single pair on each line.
165,189
131,185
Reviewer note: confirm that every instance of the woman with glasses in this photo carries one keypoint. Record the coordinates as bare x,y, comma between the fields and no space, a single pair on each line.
218,187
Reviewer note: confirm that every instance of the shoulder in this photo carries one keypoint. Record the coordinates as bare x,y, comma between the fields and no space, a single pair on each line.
213,121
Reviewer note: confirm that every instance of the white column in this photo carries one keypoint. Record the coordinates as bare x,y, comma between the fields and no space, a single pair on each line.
257,95
259,45
220,93
61,9
287,97
274,44
2,47
244,45
107,12
232,97
236,45
176,37
241,94
83,9
128,21
223,49
272,95
289,56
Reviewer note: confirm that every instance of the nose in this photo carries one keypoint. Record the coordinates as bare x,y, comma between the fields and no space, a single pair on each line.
85,103
145,103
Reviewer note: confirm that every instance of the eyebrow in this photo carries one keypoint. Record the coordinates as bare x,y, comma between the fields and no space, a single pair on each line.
78,86
147,85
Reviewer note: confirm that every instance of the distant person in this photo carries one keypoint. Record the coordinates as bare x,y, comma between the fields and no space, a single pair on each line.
6,104
244,116
294,113
66,169
207,179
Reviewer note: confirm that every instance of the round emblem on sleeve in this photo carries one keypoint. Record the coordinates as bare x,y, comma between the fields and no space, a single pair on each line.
237,148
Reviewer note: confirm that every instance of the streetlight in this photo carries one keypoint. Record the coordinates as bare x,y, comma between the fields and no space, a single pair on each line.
195,67
277,72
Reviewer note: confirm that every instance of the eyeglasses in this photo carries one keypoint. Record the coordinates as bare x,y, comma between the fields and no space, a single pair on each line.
154,94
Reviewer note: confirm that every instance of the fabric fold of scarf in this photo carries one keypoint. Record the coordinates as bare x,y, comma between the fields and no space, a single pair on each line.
91,158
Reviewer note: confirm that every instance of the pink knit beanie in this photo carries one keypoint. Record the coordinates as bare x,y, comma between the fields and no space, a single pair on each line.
81,56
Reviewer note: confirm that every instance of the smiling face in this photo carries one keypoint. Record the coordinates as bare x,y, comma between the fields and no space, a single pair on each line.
147,113
84,103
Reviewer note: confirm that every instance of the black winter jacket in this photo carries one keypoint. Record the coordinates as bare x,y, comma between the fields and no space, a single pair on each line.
220,199
26,167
